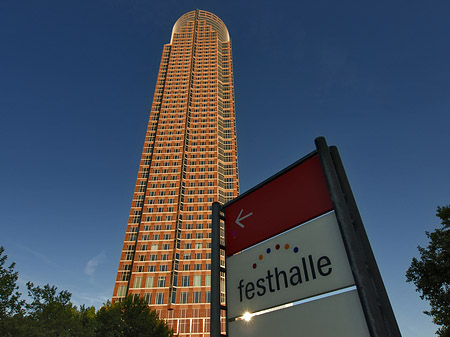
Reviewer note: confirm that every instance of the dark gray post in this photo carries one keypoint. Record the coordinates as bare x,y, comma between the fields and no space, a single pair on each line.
354,250
215,272
375,276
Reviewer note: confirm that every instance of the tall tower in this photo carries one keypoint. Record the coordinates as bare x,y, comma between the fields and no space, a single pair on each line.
189,160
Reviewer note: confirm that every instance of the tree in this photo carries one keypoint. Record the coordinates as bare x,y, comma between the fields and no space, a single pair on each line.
52,314
10,302
131,317
431,274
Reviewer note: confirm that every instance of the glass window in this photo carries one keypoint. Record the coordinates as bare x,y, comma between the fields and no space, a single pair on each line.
122,291
161,281
197,281
137,282
197,297
184,298
159,298
149,282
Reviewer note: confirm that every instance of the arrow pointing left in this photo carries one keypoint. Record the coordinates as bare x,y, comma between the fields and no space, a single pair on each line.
239,219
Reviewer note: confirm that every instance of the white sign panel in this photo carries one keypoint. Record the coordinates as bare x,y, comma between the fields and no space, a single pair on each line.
303,262
335,316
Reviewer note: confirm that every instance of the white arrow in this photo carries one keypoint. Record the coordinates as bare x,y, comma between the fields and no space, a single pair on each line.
239,219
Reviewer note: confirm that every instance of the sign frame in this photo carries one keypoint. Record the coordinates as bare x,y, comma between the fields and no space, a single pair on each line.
373,297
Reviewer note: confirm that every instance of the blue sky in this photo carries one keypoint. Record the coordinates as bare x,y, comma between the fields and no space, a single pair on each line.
76,84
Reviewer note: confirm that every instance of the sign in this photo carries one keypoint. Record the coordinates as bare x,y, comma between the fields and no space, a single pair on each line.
297,195
306,261
338,316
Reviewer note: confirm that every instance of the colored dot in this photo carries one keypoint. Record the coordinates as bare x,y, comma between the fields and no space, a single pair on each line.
260,257
277,247
268,250
296,250
286,246
254,265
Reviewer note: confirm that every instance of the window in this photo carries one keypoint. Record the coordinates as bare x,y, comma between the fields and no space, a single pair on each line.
197,297
151,269
122,291
137,282
148,298
197,281
159,298
161,281
185,281
198,246
207,297
139,269
154,247
163,267
188,236
186,246
186,256
198,256
186,267
198,266
199,236
184,298
164,257
125,276
141,257
149,282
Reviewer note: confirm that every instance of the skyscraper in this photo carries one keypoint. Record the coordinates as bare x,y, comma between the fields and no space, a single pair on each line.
188,161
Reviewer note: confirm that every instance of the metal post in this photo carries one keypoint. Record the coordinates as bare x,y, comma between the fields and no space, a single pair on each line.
374,272
354,250
215,330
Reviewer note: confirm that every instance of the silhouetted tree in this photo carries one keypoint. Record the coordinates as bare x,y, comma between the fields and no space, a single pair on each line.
431,273
131,317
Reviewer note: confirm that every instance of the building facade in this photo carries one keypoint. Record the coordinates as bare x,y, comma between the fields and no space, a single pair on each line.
189,160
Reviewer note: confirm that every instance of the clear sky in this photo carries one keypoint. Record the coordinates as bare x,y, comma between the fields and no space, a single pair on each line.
76,84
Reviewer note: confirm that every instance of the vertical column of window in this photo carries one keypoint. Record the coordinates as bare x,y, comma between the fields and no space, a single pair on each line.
232,122
227,151
187,42
144,168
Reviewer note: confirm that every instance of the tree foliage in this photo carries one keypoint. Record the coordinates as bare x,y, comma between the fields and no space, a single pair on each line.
131,317
431,273
50,313
10,302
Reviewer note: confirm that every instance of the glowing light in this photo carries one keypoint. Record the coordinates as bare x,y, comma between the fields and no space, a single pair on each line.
247,316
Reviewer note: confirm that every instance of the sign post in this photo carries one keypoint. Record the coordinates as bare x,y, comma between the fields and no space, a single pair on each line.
298,238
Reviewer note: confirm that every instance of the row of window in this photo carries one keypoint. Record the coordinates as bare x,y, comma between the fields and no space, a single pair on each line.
161,281
159,298
163,268
165,246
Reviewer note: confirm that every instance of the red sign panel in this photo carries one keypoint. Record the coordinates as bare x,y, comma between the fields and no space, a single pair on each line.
299,195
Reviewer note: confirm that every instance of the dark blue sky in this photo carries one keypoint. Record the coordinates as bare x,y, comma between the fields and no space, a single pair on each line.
76,84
